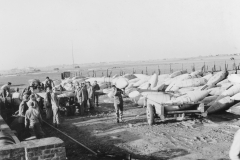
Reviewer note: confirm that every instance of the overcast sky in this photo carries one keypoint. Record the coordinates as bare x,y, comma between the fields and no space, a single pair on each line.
41,32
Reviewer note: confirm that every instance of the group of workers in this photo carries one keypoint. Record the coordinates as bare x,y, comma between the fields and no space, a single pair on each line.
31,109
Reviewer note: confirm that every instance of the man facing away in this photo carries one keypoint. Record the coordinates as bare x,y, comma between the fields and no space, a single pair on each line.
23,107
234,153
118,103
33,121
95,94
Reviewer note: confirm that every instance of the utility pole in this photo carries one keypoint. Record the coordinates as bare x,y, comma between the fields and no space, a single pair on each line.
72,55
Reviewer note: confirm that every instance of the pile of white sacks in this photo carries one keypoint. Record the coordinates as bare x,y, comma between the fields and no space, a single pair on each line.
220,90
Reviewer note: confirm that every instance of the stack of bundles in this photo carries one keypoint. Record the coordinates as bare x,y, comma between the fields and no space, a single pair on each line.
99,80
34,83
67,84
78,77
57,82
218,90
129,76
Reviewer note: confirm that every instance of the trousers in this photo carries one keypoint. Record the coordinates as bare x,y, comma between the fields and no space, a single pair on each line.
118,110
55,115
91,103
95,99
36,129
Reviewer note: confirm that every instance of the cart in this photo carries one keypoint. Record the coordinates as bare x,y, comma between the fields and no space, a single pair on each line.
156,110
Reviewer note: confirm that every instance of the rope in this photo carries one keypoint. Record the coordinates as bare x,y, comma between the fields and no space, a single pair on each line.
95,153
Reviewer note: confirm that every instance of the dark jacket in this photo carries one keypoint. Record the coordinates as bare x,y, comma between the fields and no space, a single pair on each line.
82,94
96,87
118,96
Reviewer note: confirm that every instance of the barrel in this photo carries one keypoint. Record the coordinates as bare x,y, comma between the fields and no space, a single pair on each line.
6,139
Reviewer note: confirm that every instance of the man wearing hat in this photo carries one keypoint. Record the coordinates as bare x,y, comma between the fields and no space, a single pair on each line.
23,107
55,107
49,83
82,96
33,120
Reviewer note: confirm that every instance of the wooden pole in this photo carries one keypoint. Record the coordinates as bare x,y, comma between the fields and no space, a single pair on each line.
159,71
170,68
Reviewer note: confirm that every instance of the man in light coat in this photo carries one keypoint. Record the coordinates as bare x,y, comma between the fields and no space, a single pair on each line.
33,121
234,153
90,95
55,108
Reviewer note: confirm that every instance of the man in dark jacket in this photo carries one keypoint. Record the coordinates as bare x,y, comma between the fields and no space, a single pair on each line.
82,96
95,94
48,83
118,103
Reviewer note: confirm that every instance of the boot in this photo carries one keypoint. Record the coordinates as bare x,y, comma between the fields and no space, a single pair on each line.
117,120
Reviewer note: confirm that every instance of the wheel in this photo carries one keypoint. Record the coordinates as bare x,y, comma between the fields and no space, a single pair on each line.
150,114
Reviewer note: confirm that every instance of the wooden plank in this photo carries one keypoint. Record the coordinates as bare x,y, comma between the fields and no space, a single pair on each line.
186,111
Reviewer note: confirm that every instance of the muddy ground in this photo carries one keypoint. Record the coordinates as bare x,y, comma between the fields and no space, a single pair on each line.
202,139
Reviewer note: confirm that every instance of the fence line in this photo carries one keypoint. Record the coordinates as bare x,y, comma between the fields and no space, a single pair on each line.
164,68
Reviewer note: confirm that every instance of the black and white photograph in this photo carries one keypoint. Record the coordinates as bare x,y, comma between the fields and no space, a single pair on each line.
119,80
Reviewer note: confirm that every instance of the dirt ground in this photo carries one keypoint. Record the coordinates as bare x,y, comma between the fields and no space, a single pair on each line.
202,139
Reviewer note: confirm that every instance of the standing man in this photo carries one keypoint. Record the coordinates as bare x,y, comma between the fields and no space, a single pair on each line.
118,103
49,83
234,153
47,103
95,94
55,108
23,107
5,89
82,96
90,95
33,121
